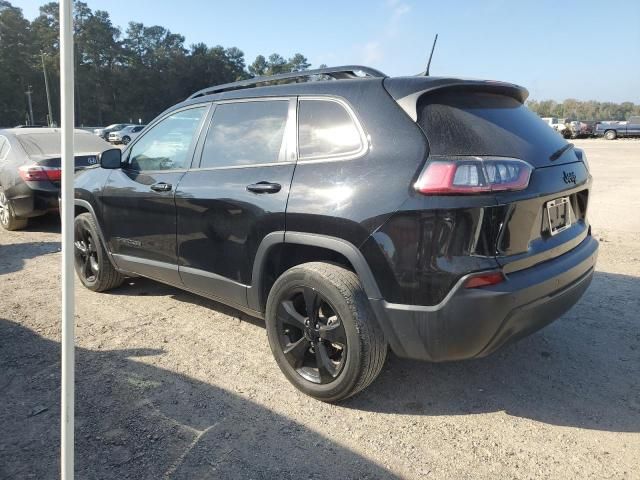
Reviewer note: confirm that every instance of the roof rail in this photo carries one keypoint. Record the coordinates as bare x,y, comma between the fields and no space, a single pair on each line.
338,73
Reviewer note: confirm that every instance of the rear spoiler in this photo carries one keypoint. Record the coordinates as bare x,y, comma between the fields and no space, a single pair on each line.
407,90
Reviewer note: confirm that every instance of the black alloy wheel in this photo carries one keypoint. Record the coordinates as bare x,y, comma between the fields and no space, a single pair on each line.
311,335
92,264
322,331
86,254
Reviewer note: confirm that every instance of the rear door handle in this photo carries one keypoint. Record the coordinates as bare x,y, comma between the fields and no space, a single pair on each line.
264,187
161,187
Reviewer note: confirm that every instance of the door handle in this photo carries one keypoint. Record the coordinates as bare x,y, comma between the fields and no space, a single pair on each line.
161,187
264,187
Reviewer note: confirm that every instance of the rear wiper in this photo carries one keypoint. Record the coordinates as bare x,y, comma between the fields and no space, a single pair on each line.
556,155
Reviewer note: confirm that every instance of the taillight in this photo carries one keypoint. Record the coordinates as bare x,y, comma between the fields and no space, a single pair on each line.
469,175
484,280
37,173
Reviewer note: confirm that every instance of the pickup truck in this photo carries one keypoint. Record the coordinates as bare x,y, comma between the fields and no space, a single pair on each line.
613,130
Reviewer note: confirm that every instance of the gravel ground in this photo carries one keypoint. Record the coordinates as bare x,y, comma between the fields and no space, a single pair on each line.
170,385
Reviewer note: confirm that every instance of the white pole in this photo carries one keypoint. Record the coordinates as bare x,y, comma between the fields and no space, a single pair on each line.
68,342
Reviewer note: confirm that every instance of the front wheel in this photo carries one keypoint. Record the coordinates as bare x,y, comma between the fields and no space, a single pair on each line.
8,218
322,331
93,267
126,140
610,135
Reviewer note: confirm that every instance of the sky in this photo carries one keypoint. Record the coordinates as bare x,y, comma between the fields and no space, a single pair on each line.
583,49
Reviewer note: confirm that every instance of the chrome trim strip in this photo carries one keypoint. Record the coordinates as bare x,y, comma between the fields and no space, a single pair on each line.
233,167
433,308
144,261
213,276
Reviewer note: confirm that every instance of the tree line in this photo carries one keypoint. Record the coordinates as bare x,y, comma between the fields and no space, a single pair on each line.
120,77
572,109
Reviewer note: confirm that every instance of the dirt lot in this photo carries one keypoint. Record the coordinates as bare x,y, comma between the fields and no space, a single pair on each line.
173,386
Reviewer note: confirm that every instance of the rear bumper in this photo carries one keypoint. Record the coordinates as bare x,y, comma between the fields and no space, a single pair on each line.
28,201
475,322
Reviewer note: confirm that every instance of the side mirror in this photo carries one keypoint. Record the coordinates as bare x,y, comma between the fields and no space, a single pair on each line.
111,159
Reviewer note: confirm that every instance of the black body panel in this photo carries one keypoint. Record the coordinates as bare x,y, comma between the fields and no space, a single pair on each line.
475,322
140,223
351,198
420,253
221,224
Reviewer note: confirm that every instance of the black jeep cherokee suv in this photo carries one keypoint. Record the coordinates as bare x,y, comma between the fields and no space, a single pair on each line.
355,212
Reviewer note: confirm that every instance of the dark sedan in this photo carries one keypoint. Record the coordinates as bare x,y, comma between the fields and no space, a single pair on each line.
30,171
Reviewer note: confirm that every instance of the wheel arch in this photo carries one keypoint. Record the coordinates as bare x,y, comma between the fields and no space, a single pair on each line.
310,247
84,206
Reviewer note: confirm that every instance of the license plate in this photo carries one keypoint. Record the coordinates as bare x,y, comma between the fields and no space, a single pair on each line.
559,215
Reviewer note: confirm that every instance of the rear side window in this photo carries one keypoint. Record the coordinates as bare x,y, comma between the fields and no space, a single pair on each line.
245,133
326,129
475,123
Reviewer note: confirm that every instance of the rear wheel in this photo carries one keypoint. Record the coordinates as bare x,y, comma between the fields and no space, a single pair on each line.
126,139
92,265
322,331
8,218
610,135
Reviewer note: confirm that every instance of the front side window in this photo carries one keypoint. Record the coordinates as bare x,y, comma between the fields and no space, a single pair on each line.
245,133
167,145
325,129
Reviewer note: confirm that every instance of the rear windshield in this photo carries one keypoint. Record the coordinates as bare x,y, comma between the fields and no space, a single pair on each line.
38,144
473,123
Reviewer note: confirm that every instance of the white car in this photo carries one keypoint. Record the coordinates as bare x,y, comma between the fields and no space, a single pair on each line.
114,127
125,135
558,124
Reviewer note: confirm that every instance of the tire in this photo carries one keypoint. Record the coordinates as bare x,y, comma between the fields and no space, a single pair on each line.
610,135
92,264
8,219
346,339
126,139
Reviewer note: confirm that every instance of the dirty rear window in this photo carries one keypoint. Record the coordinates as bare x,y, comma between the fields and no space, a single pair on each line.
475,123
37,144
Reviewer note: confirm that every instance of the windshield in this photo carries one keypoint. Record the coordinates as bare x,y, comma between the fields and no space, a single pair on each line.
47,144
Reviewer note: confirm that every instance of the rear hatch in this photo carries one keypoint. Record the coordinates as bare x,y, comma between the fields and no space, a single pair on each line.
546,219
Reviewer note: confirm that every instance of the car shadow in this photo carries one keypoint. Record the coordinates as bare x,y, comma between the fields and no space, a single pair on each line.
135,420
14,255
144,287
582,371
49,223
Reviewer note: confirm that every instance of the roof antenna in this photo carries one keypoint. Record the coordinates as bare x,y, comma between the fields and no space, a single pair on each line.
426,72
